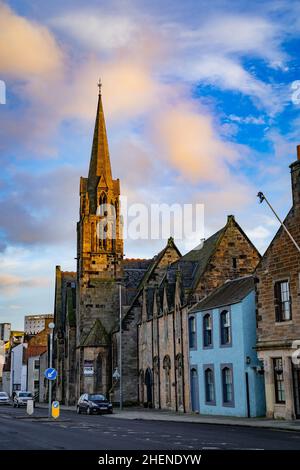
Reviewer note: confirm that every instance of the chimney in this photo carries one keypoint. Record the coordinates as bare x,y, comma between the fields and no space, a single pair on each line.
295,176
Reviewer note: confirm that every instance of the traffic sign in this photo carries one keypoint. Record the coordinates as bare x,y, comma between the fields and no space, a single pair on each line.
50,373
55,409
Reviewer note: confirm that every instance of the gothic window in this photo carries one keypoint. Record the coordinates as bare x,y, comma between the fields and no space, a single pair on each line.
142,384
103,204
167,374
207,330
179,377
99,382
93,237
156,380
225,328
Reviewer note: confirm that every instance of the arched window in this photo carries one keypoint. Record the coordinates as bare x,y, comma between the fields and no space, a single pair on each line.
207,330
209,385
103,204
227,383
167,369
225,327
156,381
192,332
142,386
179,380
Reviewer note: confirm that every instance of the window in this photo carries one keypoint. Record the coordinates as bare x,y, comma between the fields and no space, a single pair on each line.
207,330
278,380
37,364
225,328
209,385
234,263
282,300
227,384
192,332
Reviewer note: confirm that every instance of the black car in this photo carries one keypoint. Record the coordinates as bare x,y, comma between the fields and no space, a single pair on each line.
93,403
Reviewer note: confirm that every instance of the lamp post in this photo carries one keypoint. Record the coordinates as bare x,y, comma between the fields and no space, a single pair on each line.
51,327
120,349
262,198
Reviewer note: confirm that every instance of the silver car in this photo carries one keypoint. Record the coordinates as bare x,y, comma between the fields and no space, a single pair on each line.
4,399
21,398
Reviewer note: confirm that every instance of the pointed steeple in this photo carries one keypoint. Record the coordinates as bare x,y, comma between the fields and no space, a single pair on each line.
100,162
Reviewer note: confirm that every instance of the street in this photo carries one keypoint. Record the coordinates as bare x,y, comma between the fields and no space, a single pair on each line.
82,432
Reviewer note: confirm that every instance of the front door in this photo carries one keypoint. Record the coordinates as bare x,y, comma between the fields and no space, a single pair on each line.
296,381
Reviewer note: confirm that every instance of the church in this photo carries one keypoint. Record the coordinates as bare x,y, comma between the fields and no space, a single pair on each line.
152,296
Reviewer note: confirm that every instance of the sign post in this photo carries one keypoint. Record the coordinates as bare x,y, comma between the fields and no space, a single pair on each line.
51,327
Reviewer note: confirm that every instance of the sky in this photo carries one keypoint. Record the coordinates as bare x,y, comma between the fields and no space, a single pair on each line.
201,103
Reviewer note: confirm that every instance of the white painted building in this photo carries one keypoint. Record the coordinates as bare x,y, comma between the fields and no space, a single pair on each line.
5,329
33,324
18,369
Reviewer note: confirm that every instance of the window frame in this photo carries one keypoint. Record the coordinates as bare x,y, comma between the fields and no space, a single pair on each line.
231,403
221,311
278,302
204,330
193,346
277,382
206,368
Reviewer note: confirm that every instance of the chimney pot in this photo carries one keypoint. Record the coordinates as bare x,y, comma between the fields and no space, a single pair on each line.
298,152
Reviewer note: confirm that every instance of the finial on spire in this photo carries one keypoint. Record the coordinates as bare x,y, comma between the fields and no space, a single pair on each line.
99,84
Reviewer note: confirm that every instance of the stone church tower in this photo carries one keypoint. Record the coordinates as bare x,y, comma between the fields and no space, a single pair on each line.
99,266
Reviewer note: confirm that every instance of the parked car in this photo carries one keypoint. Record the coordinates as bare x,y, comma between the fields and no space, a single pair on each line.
4,399
94,403
21,398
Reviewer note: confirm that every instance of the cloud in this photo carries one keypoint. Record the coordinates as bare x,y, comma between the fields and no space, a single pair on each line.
190,143
247,119
26,47
97,31
10,283
40,210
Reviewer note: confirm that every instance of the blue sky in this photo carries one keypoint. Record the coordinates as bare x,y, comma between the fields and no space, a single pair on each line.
199,108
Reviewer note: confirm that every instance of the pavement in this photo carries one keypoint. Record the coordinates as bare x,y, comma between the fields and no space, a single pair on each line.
133,413
126,431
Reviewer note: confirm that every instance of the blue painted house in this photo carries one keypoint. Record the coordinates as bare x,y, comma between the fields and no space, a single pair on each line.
225,374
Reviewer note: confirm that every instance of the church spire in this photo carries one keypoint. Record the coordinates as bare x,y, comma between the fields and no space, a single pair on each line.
100,162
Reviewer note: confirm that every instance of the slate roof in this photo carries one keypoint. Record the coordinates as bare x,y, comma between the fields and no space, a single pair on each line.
134,271
193,264
231,292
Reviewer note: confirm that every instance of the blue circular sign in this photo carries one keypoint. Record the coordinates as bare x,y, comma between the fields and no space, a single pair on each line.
50,373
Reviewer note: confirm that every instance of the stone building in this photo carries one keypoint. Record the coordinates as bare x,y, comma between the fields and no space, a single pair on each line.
278,312
64,350
155,296
172,286
87,302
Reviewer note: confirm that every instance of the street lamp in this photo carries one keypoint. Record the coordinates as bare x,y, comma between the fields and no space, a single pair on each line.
120,349
51,326
262,198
